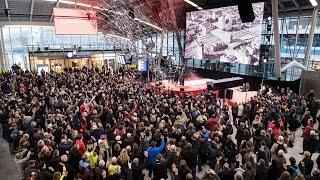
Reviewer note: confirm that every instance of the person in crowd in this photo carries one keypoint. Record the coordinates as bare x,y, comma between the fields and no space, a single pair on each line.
190,156
294,124
285,176
92,124
153,153
276,147
261,170
306,165
293,169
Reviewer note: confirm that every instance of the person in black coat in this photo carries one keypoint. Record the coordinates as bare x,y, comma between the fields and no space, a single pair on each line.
227,173
137,169
273,171
294,124
261,170
190,156
44,172
183,169
311,144
306,164
160,169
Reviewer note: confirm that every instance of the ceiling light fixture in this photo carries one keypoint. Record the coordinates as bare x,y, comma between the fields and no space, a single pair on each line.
314,3
74,3
147,23
116,36
84,5
193,4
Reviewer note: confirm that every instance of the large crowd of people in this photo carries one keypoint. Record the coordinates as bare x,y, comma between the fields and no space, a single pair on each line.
95,125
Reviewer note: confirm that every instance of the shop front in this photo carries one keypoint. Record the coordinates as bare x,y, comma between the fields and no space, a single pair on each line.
59,60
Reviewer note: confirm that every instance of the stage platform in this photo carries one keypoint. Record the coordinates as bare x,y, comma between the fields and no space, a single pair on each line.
193,86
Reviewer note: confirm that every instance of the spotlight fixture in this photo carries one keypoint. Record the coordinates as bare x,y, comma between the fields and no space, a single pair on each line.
7,11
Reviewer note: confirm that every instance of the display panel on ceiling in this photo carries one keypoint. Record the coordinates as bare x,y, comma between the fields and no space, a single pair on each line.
219,34
75,21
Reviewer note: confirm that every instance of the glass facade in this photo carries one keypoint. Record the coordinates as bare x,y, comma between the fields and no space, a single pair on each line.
294,33
17,40
165,44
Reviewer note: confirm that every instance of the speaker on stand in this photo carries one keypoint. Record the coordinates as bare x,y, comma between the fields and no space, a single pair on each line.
229,94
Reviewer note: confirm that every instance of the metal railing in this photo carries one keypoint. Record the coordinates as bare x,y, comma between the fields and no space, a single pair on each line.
66,47
263,70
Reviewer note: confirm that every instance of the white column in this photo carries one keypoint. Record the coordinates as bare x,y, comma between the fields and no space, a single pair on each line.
310,36
3,64
276,35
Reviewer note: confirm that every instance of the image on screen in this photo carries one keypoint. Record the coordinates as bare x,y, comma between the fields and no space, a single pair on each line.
219,34
75,21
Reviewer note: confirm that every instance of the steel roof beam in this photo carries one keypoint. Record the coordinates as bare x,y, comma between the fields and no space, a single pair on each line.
56,5
295,3
31,9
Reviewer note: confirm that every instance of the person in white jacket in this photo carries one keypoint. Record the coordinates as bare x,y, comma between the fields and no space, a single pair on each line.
240,110
20,160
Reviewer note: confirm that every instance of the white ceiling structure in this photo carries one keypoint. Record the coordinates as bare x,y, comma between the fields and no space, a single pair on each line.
114,17
41,10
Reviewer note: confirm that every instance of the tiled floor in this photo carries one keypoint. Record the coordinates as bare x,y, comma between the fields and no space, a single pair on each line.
8,169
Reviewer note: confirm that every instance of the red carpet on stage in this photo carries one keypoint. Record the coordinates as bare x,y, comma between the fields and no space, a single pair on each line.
193,86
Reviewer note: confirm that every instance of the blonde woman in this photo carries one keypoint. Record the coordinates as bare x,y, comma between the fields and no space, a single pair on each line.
123,160
123,157
103,148
256,121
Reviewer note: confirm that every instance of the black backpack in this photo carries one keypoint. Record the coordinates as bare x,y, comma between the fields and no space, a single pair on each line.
280,147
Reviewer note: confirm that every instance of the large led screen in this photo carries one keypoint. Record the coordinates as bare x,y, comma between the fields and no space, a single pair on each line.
219,34
75,21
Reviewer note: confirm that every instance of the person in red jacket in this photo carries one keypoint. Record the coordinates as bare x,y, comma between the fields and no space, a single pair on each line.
80,144
306,135
213,122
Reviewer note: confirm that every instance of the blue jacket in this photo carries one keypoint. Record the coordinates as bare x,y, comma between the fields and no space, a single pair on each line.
205,141
154,151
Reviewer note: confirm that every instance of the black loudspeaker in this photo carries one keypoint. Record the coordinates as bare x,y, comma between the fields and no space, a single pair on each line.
7,11
246,11
229,94
221,93
182,89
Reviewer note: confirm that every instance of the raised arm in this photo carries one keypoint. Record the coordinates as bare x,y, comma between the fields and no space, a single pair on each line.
160,148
